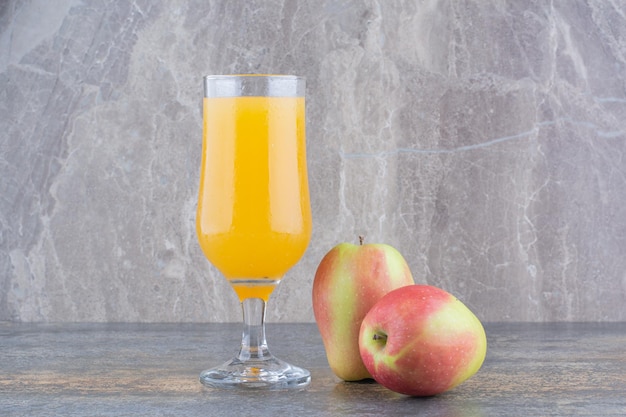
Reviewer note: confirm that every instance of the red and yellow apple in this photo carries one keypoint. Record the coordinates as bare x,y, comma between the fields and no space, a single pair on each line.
420,340
349,280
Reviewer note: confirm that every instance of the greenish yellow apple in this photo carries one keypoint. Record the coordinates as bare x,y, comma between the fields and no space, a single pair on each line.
420,340
349,280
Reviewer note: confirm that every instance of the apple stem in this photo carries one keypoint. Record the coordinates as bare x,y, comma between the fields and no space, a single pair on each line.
380,336
361,239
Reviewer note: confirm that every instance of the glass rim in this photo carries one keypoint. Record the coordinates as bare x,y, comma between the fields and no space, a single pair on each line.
261,85
231,76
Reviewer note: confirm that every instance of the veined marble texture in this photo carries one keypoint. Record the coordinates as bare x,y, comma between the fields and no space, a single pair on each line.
485,140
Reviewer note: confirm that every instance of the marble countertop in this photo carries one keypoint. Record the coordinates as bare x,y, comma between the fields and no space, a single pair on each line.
152,369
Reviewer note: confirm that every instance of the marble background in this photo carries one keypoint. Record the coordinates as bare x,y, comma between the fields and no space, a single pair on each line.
485,140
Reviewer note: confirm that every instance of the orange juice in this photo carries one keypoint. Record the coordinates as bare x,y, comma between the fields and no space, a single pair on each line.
254,219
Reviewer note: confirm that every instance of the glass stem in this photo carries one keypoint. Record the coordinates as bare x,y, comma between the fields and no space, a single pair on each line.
253,343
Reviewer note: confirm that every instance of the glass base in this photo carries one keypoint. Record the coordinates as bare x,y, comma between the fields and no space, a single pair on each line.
264,374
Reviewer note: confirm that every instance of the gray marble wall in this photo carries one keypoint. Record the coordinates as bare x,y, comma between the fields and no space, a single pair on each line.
486,140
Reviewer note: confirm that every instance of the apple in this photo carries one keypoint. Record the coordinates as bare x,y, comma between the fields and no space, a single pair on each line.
420,340
349,280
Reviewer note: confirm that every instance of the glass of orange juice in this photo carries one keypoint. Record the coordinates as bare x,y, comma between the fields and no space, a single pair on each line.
254,218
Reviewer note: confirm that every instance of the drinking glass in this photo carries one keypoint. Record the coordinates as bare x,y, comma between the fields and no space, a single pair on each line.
254,218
